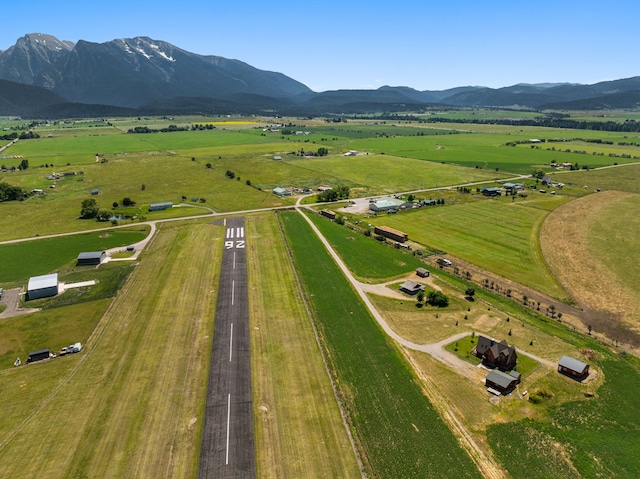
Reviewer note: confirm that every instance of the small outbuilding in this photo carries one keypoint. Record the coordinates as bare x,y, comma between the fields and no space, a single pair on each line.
95,192
39,355
91,258
573,368
42,286
500,382
391,233
329,214
411,287
422,272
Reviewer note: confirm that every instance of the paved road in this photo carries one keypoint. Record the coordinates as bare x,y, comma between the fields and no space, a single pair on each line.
228,449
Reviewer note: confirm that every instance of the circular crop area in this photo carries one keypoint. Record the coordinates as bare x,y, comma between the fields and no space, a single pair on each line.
591,245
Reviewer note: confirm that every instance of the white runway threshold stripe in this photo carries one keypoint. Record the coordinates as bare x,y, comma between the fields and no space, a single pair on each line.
235,232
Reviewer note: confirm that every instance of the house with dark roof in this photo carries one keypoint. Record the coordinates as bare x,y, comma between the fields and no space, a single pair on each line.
501,383
573,368
496,354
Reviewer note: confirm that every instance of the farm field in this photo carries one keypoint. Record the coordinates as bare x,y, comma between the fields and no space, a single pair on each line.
591,256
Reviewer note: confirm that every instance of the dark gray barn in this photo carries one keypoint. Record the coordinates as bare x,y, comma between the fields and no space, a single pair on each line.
91,258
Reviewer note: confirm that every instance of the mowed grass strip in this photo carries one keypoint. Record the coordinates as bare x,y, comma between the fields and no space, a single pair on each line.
398,432
132,405
299,428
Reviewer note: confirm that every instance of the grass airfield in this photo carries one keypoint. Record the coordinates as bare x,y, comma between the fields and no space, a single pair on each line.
134,397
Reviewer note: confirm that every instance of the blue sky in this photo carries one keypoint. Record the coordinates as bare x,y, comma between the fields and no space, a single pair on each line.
355,44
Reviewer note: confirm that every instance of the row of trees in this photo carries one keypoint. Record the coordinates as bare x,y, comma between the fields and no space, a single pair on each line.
90,209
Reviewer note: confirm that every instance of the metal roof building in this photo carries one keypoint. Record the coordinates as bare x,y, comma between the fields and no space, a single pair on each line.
42,286
387,204
160,206
573,367
91,258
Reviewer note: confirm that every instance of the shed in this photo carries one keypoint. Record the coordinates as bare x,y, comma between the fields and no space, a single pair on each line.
42,286
573,368
160,206
95,191
329,214
422,272
39,355
391,233
411,287
546,180
277,157
500,381
91,258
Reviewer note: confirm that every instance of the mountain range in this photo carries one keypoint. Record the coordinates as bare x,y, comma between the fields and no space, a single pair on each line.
43,76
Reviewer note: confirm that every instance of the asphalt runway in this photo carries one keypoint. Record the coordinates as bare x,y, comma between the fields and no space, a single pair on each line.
228,446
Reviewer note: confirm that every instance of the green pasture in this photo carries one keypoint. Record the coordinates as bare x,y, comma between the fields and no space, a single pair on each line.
366,258
376,174
144,178
600,433
53,329
619,178
43,256
496,234
395,427
81,147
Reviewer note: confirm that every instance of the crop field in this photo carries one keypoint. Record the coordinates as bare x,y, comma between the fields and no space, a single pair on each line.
497,234
395,427
31,258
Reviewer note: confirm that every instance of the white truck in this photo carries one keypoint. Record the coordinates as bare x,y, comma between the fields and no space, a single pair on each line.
74,348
